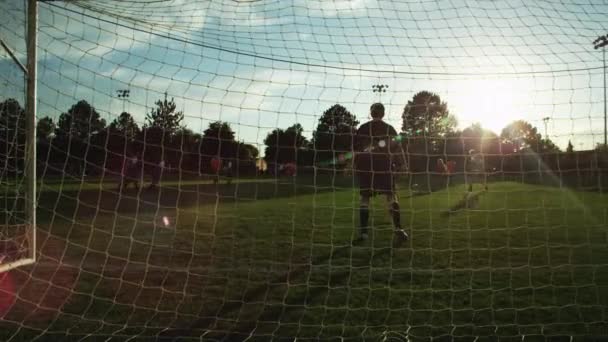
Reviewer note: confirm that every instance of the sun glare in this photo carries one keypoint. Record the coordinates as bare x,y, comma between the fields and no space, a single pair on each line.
492,103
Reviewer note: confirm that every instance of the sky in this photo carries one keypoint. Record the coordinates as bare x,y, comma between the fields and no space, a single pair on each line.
261,65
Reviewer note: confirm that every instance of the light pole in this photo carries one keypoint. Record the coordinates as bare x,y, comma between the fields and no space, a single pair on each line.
380,88
545,120
601,42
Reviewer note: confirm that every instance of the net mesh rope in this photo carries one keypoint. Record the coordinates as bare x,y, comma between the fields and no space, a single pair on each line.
246,228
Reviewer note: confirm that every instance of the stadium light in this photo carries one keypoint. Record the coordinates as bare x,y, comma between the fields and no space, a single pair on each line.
123,94
601,42
379,88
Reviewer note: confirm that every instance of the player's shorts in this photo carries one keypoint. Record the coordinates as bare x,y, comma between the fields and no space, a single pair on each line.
374,175
476,176
371,183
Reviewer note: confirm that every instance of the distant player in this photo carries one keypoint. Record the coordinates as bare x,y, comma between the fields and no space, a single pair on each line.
131,172
157,174
442,172
378,157
451,166
475,171
290,169
227,172
216,168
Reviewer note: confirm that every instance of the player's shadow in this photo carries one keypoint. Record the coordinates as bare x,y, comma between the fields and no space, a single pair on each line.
274,312
470,200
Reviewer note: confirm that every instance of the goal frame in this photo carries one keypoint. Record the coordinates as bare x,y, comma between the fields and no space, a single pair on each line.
30,142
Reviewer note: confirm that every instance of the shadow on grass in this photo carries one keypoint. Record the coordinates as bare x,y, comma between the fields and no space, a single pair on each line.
271,312
71,201
470,200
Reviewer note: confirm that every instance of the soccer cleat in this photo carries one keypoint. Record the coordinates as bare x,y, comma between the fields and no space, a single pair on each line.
400,237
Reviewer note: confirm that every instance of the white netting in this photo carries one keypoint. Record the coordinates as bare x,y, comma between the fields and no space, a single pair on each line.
195,170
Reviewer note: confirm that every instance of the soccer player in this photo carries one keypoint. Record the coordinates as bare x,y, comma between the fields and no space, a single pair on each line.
378,157
227,172
442,172
475,170
290,169
156,174
131,172
216,167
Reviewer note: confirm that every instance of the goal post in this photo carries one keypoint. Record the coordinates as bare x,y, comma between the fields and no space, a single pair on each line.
18,240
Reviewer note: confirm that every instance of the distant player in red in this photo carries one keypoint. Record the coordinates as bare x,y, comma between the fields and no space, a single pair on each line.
216,168
442,172
290,169
451,166
442,168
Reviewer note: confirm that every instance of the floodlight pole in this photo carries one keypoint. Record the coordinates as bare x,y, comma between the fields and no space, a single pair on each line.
601,42
30,110
545,120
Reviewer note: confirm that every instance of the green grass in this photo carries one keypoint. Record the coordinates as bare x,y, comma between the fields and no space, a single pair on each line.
275,260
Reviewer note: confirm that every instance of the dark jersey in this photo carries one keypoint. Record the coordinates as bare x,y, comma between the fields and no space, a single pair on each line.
376,135
376,145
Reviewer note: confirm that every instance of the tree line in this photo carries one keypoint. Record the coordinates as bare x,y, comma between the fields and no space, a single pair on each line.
81,141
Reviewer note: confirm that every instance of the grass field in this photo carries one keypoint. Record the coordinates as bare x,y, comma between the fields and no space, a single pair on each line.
262,259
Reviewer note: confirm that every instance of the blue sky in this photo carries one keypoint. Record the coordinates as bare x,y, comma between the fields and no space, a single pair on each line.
265,64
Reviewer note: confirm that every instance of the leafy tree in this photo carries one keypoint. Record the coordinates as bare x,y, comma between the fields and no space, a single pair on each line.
570,148
12,135
165,116
282,145
218,140
426,115
45,129
80,122
248,151
78,136
184,150
125,126
520,136
335,133
426,120
45,132
547,146
482,140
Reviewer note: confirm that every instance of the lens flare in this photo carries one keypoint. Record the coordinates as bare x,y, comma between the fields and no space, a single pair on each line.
7,293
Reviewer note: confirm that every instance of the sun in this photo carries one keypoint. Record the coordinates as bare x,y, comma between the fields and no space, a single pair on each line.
493,103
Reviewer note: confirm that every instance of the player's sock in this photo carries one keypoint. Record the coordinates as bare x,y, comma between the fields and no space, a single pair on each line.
396,215
363,219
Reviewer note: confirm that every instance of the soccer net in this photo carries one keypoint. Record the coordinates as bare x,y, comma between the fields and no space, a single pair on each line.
198,171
